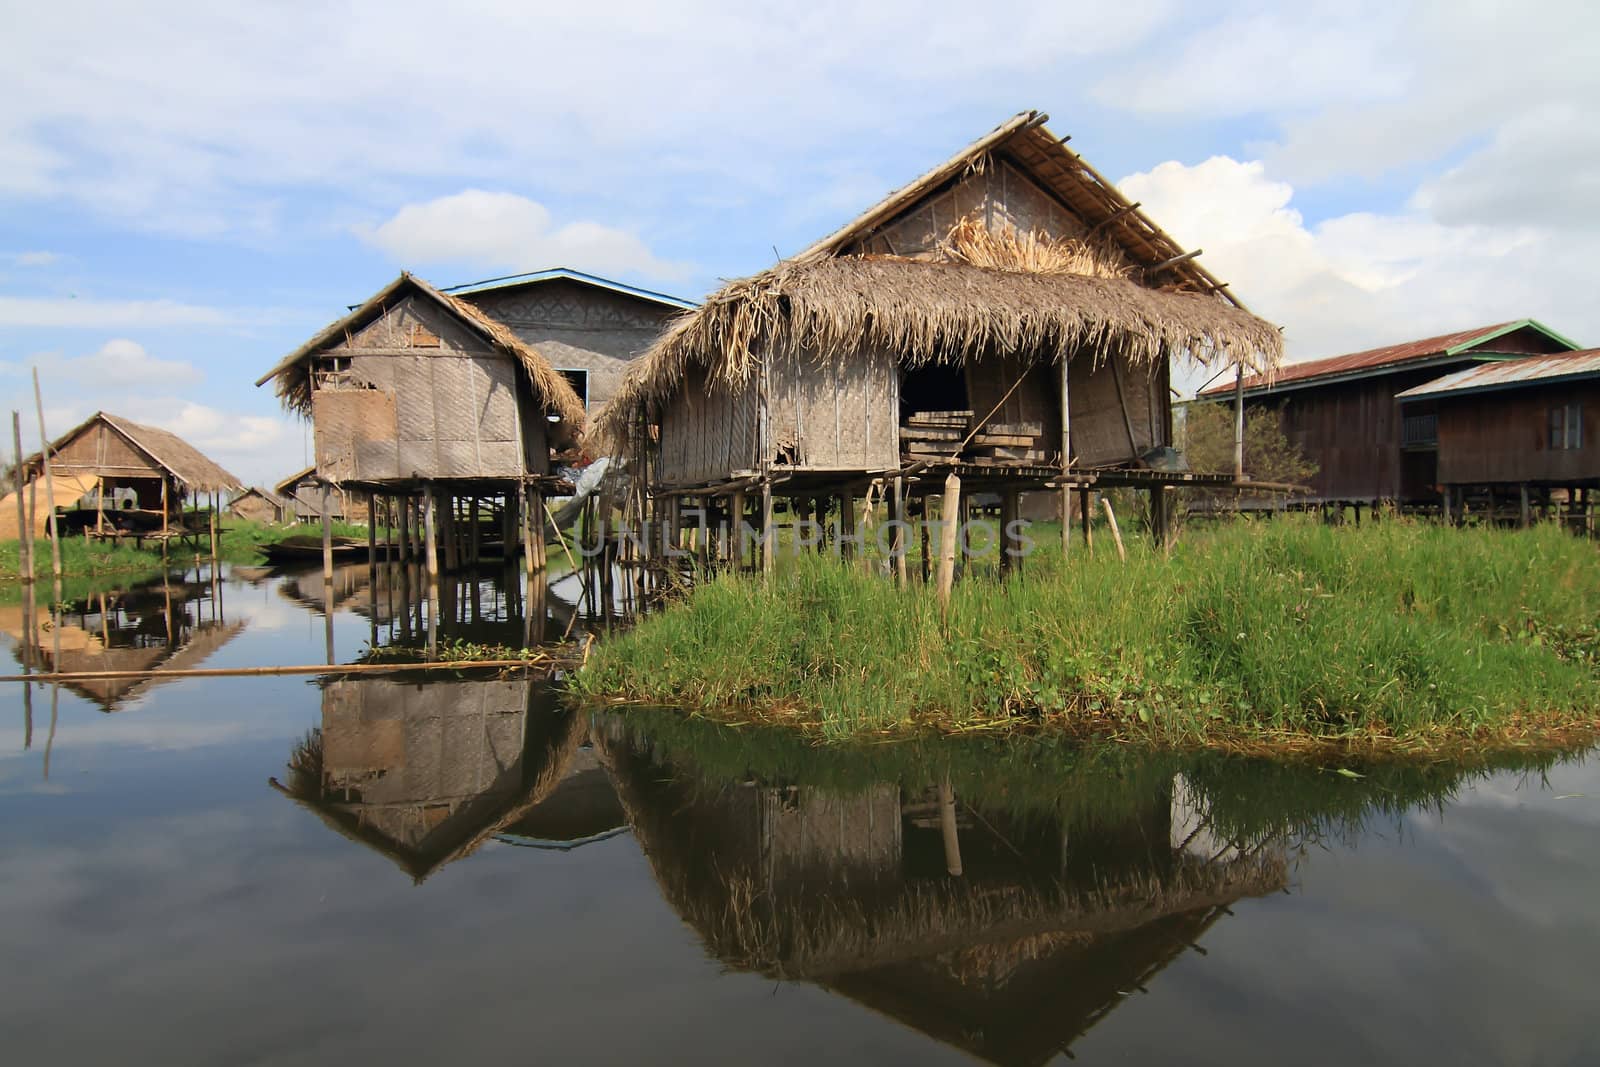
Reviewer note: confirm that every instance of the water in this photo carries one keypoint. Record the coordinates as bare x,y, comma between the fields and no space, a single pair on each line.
275,870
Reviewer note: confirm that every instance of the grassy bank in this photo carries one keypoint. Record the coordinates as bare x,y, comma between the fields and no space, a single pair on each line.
1395,636
88,559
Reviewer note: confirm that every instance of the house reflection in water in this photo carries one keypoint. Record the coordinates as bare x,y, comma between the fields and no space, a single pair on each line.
169,624
425,772
1052,923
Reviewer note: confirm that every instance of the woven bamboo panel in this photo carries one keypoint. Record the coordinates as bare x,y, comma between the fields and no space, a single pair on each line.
345,420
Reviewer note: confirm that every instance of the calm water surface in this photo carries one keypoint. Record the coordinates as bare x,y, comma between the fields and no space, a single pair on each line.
287,870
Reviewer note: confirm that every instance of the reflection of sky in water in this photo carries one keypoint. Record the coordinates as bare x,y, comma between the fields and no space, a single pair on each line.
159,901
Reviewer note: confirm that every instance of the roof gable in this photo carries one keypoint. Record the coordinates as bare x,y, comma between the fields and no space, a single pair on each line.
1511,374
1024,144
187,465
516,281
549,386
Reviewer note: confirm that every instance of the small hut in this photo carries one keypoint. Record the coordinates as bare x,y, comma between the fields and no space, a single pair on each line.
420,398
1009,317
116,476
588,327
1518,435
259,505
301,494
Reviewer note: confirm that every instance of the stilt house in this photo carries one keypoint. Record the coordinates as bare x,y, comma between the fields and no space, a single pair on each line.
1516,435
259,505
1342,414
588,327
419,396
1009,316
112,473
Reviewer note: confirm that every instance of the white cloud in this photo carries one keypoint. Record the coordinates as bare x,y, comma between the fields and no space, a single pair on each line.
73,313
229,102
1362,279
35,259
504,231
121,363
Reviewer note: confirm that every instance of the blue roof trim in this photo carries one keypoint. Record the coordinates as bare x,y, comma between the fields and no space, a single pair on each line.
568,274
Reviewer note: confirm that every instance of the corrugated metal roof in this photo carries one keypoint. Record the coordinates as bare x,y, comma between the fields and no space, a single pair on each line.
1510,374
1373,359
568,274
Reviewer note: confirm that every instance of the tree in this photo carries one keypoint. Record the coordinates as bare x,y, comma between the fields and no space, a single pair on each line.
1269,456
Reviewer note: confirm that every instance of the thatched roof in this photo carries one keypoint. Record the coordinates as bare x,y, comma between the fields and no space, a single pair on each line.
550,387
187,465
927,311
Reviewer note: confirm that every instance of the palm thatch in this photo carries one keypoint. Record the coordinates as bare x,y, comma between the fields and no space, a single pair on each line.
550,387
938,311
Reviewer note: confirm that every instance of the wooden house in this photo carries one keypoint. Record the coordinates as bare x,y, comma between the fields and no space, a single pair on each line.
588,327
259,505
1517,434
1342,413
1008,317
419,397
114,474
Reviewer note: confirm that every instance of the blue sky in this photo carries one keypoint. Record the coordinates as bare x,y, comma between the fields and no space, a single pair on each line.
190,190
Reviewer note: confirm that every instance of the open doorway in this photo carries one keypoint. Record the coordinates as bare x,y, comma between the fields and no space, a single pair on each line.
933,387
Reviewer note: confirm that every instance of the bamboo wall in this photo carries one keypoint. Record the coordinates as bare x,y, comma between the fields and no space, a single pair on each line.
707,433
834,414
1100,432
423,398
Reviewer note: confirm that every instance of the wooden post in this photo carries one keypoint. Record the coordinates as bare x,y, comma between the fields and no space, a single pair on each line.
475,533
846,547
1086,517
430,519
736,517
327,538
1116,534
1525,515
24,528
862,523
925,540
404,507
897,537
1238,422
372,530
949,535
1160,519
1066,457
49,485
769,545
947,825
213,525
1008,511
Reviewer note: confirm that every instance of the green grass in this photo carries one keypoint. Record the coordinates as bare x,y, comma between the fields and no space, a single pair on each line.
82,559
1394,633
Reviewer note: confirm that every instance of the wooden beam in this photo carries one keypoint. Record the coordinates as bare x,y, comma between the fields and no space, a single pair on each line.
1173,262
1121,212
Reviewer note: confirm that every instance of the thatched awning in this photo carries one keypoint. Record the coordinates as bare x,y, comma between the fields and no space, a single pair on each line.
929,311
550,386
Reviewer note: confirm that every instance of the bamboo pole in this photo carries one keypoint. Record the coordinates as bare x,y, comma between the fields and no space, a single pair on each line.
949,535
561,539
769,547
430,536
1086,518
736,518
897,543
302,668
1116,534
24,528
1238,422
49,485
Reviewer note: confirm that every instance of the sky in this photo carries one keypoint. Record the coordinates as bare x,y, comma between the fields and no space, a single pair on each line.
188,191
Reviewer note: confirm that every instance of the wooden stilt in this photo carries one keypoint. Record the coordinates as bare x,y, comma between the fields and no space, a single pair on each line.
846,547
430,505
897,539
1086,517
950,513
738,526
1525,513
24,528
327,539
769,546
1116,534
372,530
925,542
474,530
1066,520
1160,520
1010,541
